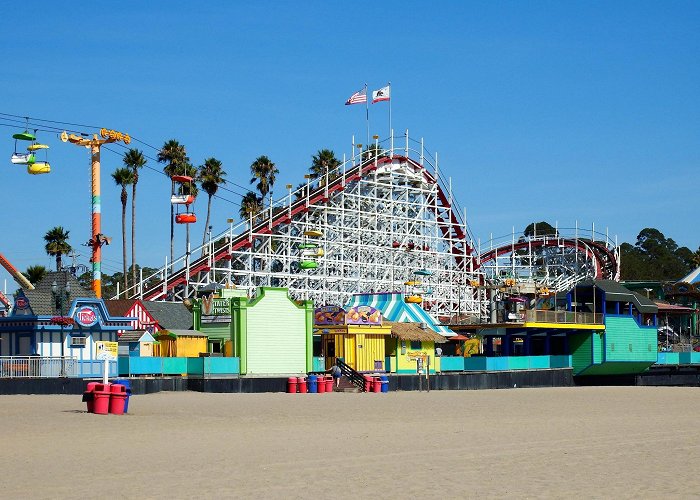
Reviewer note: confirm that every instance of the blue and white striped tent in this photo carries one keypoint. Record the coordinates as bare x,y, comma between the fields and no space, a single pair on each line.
394,308
693,277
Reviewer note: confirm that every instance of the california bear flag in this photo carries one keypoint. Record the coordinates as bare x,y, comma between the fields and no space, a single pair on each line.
383,94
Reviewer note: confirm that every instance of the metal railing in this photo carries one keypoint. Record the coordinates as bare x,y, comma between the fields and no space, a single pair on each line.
37,367
570,317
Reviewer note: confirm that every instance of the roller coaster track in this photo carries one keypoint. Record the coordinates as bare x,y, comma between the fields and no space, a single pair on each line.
450,227
606,262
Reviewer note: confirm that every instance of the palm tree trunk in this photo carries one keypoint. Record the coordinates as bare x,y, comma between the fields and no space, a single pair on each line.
58,262
172,226
133,233
206,224
126,281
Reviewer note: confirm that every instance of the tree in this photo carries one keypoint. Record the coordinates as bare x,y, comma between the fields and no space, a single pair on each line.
372,151
124,177
174,155
541,228
134,160
264,172
251,205
300,191
35,273
655,257
211,176
57,244
322,163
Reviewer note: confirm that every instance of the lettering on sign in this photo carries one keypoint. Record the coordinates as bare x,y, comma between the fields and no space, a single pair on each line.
86,316
215,310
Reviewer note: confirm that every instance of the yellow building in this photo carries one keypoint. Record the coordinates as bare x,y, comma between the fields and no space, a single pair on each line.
411,347
357,336
180,343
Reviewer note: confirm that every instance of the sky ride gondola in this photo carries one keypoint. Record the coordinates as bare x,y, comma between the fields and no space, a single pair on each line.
39,167
23,158
310,251
184,197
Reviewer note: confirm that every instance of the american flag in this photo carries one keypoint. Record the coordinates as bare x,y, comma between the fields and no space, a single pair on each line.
358,97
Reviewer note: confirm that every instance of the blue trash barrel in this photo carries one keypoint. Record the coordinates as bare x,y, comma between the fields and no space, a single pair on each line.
125,382
313,384
385,383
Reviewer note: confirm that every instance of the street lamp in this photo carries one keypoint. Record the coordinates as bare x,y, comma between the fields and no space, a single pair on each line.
60,297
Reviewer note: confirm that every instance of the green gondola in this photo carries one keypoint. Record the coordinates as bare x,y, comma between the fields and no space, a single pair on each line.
308,264
423,272
303,246
24,136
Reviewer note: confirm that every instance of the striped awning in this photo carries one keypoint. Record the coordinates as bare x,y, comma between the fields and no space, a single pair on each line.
394,309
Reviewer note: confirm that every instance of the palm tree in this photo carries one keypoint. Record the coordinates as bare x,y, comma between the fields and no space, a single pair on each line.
264,172
123,177
134,160
371,151
34,274
57,244
252,204
322,163
211,176
174,154
300,191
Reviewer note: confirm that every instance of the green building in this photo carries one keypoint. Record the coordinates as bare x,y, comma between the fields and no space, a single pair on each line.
271,334
628,344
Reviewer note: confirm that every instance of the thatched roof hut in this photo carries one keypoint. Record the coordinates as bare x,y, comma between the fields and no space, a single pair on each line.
415,332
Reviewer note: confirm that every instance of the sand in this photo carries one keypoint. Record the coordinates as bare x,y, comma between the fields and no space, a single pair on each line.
632,442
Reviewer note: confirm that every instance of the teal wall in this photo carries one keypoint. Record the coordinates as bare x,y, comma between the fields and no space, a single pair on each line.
625,340
177,366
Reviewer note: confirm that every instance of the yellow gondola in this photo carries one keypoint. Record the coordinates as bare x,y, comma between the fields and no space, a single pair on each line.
413,283
37,147
413,299
313,233
40,167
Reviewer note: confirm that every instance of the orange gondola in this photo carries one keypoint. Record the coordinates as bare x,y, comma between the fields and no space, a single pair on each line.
186,218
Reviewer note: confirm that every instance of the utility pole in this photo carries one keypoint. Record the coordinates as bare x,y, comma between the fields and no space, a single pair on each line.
98,239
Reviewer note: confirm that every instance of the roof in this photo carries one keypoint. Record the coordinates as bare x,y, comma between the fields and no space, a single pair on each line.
136,336
394,309
170,315
615,292
672,308
41,298
414,331
119,307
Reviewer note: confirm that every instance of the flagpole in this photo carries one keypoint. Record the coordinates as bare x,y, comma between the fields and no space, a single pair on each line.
389,108
367,109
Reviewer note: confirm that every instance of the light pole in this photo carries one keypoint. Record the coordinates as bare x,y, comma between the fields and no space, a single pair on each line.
60,296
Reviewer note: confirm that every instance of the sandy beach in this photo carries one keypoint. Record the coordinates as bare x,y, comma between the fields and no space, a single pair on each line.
556,443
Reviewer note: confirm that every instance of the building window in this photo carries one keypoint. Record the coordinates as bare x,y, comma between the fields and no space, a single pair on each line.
78,341
415,345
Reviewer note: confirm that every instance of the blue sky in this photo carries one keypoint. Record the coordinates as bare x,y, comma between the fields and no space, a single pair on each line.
557,111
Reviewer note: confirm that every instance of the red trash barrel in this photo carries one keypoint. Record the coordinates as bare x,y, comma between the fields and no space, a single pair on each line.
101,399
368,383
329,384
117,399
376,384
301,382
321,382
89,397
292,385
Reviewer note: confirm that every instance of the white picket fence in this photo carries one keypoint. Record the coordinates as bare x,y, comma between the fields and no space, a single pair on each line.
38,367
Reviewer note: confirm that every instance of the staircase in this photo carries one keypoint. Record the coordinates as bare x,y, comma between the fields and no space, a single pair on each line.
351,379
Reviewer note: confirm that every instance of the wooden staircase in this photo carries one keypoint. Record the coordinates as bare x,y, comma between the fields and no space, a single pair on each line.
351,377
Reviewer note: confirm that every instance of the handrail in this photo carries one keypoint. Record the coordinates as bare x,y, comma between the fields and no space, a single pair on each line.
355,377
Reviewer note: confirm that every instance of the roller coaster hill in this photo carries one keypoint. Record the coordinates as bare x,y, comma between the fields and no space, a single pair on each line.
384,221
